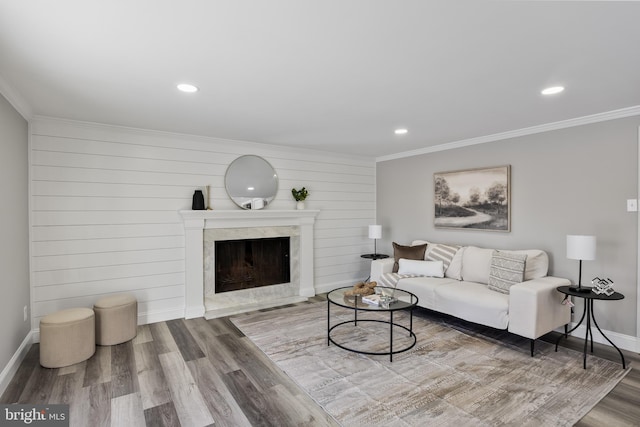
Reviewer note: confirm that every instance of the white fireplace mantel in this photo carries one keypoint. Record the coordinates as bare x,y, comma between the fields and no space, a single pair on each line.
195,222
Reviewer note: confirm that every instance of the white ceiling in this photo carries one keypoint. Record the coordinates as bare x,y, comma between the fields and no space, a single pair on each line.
336,75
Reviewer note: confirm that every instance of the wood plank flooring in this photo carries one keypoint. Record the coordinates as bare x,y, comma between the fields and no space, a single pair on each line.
197,373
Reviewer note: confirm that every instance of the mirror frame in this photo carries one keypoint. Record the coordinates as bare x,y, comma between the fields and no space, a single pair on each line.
237,176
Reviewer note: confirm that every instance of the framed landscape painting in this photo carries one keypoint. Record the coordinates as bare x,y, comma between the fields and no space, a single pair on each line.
477,199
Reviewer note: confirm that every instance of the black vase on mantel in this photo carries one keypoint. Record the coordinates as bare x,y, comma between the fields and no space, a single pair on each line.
198,201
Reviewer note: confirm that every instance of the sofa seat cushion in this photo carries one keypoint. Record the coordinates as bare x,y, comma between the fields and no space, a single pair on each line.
474,302
424,288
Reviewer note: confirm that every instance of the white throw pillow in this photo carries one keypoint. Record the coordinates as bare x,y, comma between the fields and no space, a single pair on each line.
421,268
455,268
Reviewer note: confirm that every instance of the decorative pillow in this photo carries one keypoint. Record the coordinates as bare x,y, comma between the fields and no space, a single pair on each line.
440,252
421,268
507,269
537,263
407,252
455,268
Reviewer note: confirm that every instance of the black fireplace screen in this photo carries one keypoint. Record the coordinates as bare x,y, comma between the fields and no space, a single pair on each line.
251,263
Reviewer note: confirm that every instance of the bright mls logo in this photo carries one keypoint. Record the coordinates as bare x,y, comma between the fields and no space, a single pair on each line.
35,415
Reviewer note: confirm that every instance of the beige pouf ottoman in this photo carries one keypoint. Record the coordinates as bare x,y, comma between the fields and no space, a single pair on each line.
116,319
67,337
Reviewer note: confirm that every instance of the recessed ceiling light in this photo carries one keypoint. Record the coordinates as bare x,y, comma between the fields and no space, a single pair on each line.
552,90
186,87
400,131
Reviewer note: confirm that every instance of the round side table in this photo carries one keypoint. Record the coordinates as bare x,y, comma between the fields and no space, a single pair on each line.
589,298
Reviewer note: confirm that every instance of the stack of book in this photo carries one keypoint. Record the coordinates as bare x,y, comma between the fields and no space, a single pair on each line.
380,300
371,299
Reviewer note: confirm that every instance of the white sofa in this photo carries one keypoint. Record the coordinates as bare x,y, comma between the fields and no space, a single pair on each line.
531,308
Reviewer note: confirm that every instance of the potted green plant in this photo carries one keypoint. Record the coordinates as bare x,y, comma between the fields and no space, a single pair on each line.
299,196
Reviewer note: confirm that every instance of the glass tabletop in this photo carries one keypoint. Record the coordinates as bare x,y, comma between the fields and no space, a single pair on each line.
385,299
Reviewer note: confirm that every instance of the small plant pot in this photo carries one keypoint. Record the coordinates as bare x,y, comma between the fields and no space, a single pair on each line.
300,205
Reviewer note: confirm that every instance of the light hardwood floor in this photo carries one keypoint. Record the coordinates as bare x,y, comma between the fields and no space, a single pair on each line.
197,372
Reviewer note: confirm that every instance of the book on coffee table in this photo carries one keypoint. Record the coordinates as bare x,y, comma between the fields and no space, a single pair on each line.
371,299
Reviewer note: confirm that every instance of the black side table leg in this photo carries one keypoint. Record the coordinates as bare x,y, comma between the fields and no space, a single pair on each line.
586,336
610,342
566,333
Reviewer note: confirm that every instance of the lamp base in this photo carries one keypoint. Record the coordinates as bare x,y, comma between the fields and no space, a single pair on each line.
580,289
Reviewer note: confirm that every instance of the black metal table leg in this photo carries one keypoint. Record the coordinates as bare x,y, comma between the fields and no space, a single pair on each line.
328,321
586,336
391,336
610,342
566,333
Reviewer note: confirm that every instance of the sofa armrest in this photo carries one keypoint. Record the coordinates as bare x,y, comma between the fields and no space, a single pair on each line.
535,307
380,266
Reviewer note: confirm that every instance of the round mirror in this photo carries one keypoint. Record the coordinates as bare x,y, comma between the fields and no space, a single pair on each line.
251,182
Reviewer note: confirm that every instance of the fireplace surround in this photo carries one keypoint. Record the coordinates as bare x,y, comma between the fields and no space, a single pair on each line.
229,224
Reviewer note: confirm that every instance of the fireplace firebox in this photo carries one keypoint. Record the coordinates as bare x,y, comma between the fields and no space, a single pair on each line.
251,263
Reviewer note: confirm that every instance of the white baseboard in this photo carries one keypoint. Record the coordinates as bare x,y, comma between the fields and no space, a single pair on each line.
193,312
161,316
626,342
14,363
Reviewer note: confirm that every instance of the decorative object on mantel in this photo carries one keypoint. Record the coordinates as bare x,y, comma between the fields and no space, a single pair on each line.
300,196
602,286
582,248
208,198
198,201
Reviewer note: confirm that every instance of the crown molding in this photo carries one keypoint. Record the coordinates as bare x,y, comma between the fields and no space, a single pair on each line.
15,99
579,121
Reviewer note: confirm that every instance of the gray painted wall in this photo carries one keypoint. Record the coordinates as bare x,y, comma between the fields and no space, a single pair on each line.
14,229
569,181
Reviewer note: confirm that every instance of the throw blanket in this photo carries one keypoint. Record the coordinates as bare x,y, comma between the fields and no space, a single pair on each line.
390,280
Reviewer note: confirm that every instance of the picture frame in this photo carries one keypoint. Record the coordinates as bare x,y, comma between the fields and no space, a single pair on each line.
473,199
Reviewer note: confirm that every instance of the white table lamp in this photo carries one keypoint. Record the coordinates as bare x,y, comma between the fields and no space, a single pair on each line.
375,232
582,248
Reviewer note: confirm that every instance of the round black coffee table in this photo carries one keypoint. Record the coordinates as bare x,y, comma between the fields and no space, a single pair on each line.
403,301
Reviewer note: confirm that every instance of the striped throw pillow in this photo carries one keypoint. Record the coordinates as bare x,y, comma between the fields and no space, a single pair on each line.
440,252
507,269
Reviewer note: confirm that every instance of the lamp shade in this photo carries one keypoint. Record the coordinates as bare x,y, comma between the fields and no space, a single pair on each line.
581,247
375,231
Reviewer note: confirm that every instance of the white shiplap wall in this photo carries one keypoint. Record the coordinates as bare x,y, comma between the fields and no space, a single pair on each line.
105,204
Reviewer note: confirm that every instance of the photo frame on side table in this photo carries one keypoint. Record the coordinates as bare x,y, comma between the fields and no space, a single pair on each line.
473,199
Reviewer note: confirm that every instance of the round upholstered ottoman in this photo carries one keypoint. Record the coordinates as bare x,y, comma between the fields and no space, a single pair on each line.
67,337
116,319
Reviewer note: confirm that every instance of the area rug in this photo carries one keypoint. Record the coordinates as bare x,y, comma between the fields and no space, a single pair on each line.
451,377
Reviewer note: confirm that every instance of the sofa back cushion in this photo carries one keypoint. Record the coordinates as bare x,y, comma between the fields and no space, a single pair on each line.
476,264
537,263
